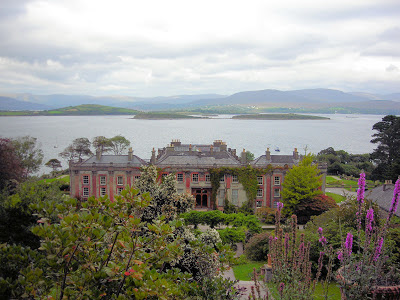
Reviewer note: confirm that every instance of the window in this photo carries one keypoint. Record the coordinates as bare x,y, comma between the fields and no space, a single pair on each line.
235,179
208,177
277,192
277,180
275,204
221,198
259,193
259,180
85,179
85,192
222,179
120,180
235,197
119,190
259,203
102,191
195,177
179,177
102,180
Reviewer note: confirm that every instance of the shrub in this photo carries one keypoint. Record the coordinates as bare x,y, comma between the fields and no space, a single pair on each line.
232,235
266,214
257,247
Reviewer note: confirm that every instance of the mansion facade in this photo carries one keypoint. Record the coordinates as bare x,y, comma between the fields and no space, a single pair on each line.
102,175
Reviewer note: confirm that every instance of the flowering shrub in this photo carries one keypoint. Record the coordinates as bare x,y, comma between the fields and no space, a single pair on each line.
365,268
210,237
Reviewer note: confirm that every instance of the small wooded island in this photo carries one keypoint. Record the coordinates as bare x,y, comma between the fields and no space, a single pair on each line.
279,117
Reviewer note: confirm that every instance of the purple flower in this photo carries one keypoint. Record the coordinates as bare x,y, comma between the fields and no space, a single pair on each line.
281,287
369,219
320,231
378,249
395,200
323,240
361,188
340,255
279,205
349,243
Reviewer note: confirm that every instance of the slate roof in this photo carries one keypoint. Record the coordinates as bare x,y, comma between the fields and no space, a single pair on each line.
117,160
382,195
275,160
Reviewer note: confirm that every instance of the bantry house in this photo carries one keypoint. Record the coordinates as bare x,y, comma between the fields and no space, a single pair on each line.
212,173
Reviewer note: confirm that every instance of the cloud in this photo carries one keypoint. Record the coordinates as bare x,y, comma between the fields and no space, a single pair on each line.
150,48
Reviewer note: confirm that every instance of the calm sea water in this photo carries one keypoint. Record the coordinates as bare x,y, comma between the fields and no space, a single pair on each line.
348,132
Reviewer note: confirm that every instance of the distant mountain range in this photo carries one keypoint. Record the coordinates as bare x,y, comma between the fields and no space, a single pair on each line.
307,100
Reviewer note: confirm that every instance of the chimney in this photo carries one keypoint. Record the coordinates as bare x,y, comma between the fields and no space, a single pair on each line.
130,154
190,148
211,149
295,154
153,157
268,155
243,158
223,146
98,154
234,152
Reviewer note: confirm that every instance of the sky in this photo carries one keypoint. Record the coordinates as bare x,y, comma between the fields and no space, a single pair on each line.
179,47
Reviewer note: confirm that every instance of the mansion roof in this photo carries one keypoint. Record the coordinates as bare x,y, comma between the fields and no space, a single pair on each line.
116,160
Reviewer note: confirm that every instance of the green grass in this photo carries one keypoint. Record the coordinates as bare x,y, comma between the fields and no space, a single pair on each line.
64,179
350,185
244,272
336,197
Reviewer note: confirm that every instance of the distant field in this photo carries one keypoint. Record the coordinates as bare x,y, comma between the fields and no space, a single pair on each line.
63,179
279,117
350,185
163,116
80,110
336,197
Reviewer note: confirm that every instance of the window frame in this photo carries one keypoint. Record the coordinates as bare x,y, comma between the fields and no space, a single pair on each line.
85,192
277,180
195,175
258,180
235,178
103,191
101,180
179,177
260,193
277,193
207,178
120,182
84,179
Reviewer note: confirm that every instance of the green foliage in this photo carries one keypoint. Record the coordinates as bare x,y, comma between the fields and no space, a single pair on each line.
266,214
229,208
30,155
257,247
249,156
214,218
79,148
387,153
341,162
53,163
232,236
11,170
245,271
119,144
314,207
301,185
102,144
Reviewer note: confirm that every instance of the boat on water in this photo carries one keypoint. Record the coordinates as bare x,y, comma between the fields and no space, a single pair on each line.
277,149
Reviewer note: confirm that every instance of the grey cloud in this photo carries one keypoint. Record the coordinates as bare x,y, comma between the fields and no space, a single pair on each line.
392,68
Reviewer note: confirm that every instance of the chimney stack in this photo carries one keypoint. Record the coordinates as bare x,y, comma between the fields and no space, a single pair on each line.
211,149
243,158
190,148
153,157
268,155
98,154
295,154
130,154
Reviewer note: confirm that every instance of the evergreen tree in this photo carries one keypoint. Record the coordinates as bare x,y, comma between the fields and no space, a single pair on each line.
387,154
301,185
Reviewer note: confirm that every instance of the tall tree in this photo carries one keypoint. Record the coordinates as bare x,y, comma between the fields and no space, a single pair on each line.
79,148
387,154
102,143
301,184
30,154
10,164
53,163
119,144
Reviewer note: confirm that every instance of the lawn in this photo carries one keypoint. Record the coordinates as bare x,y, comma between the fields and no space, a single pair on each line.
244,271
330,181
336,197
63,179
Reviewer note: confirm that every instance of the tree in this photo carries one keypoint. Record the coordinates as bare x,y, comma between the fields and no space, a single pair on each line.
53,163
102,143
249,156
10,164
301,185
80,147
119,144
387,153
30,155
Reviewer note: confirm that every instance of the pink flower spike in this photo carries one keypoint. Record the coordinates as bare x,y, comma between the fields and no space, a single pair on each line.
349,243
279,205
320,230
361,188
369,219
340,255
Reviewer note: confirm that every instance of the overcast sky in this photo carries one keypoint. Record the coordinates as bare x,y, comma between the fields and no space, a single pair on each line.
170,47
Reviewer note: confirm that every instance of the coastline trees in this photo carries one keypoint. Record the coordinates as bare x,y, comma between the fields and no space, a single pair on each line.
387,153
79,148
30,155
10,164
53,163
119,144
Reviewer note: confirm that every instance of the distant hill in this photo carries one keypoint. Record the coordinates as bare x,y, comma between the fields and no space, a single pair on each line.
7,103
80,110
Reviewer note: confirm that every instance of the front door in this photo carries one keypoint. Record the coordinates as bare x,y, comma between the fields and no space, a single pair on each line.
202,197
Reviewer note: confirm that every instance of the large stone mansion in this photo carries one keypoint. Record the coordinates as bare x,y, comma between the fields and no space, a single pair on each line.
192,165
